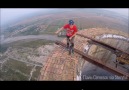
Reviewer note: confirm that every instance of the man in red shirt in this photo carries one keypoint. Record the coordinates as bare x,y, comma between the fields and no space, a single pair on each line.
71,30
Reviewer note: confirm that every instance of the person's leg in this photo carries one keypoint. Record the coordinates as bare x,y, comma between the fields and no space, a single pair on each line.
68,42
72,44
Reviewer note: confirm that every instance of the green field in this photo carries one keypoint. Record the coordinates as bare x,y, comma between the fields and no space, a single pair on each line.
17,70
25,43
54,26
36,73
11,69
20,70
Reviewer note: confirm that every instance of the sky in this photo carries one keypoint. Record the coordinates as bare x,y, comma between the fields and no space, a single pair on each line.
124,11
8,14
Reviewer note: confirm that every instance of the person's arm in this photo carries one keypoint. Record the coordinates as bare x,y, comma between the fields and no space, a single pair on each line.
73,35
59,30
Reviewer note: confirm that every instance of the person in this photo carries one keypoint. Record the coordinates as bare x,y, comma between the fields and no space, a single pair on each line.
71,31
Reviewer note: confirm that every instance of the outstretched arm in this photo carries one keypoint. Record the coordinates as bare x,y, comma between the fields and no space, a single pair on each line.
73,35
59,30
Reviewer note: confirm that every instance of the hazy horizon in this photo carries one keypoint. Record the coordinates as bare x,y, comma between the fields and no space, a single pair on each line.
10,14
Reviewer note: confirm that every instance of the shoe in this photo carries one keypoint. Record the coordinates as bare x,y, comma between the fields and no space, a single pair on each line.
72,52
67,48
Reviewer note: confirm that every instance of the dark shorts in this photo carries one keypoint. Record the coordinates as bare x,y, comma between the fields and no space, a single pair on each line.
70,41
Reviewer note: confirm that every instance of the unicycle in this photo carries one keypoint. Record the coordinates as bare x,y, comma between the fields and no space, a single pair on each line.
70,48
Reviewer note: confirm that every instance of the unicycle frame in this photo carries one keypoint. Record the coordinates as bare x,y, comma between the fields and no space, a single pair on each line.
70,48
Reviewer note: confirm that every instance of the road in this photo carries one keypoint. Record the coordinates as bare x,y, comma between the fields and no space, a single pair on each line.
46,37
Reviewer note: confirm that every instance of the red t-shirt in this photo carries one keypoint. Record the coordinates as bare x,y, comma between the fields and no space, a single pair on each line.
70,31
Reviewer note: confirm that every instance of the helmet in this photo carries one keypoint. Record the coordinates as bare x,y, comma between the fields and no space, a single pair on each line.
71,22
